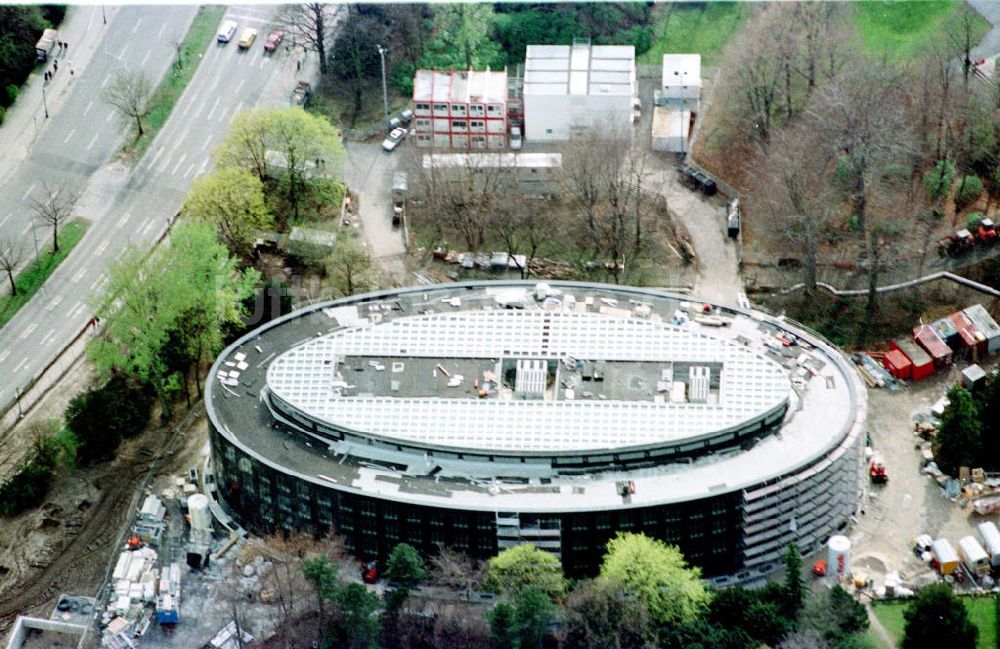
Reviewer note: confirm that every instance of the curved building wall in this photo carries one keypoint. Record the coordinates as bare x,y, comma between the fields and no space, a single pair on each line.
735,533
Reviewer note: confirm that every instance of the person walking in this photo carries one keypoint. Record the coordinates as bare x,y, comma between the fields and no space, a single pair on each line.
55,66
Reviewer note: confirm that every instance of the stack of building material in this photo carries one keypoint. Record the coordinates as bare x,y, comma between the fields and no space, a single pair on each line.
168,601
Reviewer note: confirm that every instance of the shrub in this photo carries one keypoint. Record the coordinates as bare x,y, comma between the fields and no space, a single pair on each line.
3,114
12,92
970,189
102,417
973,220
938,181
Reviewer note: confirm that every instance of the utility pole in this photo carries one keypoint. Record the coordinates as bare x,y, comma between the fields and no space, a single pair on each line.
104,16
17,395
385,93
45,104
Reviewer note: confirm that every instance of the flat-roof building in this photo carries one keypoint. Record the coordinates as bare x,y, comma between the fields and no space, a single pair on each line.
572,89
483,415
460,109
681,79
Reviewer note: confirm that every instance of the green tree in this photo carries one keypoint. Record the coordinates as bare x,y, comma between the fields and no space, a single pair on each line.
349,266
534,611
794,588
658,575
959,436
937,618
20,27
516,568
751,613
321,573
247,142
600,615
938,181
465,26
969,190
101,417
405,566
355,55
989,415
503,626
232,200
359,622
189,289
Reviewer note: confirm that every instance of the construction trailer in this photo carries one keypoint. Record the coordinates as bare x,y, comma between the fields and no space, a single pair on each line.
943,556
986,326
921,363
929,340
990,537
973,556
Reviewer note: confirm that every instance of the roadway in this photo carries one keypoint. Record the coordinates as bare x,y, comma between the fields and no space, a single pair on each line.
133,205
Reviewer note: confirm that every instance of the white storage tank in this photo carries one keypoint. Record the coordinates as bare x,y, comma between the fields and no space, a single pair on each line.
990,537
201,517
973,556
838,555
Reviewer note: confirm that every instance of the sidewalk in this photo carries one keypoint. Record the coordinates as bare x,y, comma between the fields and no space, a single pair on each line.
83,29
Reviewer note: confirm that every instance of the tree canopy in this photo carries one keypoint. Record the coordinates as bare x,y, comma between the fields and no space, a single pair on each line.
405,566
101,417
937,618
232,200
601,615
516,568
658,575
959,435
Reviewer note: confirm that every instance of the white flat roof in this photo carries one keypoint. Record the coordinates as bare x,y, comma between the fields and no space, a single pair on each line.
681,70
571,70
751,385
490,160
671,122
460,86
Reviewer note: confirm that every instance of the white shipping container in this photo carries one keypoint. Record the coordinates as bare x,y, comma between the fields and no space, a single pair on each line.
973,556
121,567
990,536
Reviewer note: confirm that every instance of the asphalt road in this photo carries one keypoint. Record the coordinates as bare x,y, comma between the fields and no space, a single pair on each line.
136,205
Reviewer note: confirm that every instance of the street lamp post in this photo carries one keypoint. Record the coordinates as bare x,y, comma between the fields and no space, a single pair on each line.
34,235
385,93
45,104
104,16
17,395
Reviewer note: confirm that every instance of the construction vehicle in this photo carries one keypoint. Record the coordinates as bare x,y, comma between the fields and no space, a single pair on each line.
957,244
46,44
877,471
986,232
399,189
369,573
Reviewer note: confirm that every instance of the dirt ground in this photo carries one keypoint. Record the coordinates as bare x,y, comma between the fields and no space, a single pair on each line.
66,544
911,503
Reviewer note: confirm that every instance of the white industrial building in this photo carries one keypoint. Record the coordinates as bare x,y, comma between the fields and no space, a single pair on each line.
572,89
681,80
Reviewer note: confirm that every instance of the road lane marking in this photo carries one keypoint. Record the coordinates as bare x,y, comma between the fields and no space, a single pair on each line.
146,58
152,163
9,214
72,312
201,108
97,284
26,228
208,140
48,337
28,193
28,330
239,86
110,115
54,303
106,80
20,365
92,141
189,170
201,169
101,248
69,136
146,225
222,115
124,219
4,355
122,55
87,109
134,30
162,27
79,275
214,106
236,111
179,163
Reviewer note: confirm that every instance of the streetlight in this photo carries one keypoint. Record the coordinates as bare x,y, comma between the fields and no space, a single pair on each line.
104,16
44,103
385,93
17,395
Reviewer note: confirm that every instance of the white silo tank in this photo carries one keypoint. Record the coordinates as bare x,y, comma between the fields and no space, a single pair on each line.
838,555
201,517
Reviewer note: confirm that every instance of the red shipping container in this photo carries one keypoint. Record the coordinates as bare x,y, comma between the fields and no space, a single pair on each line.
923,366
967,332
926,338
898,364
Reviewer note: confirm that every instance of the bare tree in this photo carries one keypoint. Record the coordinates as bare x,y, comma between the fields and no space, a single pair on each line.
461,626
796,186
588,162
129,95
525,231
962,35
11,256
804,639
53,210
456,571
310,25
753,77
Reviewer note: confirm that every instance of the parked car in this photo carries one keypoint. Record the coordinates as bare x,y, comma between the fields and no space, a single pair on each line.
392,140
247,38
226,31
274,40
515,137
301,93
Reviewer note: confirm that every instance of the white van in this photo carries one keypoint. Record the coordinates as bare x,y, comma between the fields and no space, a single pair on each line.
973,555
515,138
990,537
226,31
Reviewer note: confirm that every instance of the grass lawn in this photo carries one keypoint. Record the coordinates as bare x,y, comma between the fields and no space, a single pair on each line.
899,29
702,28
982,611
894,27
31,278
165,97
